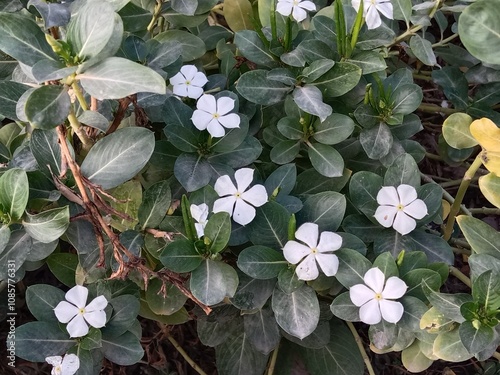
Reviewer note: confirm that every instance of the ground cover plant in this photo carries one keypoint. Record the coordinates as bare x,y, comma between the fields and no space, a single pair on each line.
257,168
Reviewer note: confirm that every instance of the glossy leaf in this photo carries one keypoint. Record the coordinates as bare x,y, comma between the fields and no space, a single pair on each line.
47,226
212,281
326,160
181,256
14,192
155,204
261,262
482,238
309,99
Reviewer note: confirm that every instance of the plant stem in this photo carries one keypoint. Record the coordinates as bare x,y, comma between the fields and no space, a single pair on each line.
272,362
361,348
79,131
422,77
460,276
156,14
274,33
445,41
186,357
431,108
288,34
455,207
79,95
485,211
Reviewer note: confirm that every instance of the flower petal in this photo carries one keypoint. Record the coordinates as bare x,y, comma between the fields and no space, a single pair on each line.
54,360
386,9
407,194
96,319
201,119
294,252
256,195
224,105
243,177
224,186
215,128
394,288
207,103
307,269
308,233
230,121
403,223
374,278
391,311
356,4
360,294
97,304
193,92
199,212
308,5
200,229
284,8
199,79
329,241
70,364
189,71
388,195
243,213
77,327
225,204
299,14
329,263
385,215
77,296
65,311
416,209
369,313
372,18
181,90
178,79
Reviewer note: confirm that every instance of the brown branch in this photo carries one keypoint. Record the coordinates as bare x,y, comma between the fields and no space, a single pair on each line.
119,115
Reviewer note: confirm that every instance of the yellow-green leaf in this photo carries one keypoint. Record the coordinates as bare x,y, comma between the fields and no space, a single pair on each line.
490,187
238,14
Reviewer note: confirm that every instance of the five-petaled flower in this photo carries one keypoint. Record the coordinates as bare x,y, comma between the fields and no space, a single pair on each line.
189,82
213,115
399,208
78,315
238,201
200,214
374,298
313,252
67,366
371,8
297,8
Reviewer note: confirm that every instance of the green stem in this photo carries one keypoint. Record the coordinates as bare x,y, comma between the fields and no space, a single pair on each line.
361,348
274,32
156,15
454,183
272,362
459,275
455,207
79,95
485,211
422,77
431,108
79,131
445,41
186,357
288,34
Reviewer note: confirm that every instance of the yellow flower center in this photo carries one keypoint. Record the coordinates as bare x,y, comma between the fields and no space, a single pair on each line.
237,195
400,207
82,311
314,250
378,296
215,115
374,2
296,2
188,82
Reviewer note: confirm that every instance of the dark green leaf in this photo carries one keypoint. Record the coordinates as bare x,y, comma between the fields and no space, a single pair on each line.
261,262
212,281
181,256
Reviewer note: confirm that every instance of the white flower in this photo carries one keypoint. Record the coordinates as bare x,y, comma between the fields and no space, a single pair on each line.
200,214
67,366
314,253
399,208
238,201
78,315
189,82
295,8
214,115
371,9
374,299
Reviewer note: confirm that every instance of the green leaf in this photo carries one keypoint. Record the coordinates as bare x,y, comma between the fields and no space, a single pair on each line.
181,256
283,179
261,262
448,304
316,69
334,129
217,232
47,226
392,242
420,278
454,84
339,357
479,30
246,153
252,293
406,99
91,341
404,170
136,18
339,80
476,339
213,281
14,192
37,340
436,249
124,350
490,187
363,189
236,356
311,182
15,252
4,237
251,47
402,10
257,88
285,151
309,99
326,160
192,171
178,317
128,196
47,106
486,290
262,331
376,141
413,357
116,77
90,30
449,347
95,120
155,204
352,267
270,226
368,61
190,45
296,313
125,310
325,209
63,267
23,39
343,308
10,92
215,328
383,335
317,339
42,300
118,157
45,147
414,309
482,238
422,49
